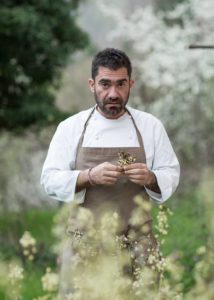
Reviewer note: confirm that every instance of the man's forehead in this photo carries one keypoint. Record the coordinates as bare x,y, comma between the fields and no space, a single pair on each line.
106,73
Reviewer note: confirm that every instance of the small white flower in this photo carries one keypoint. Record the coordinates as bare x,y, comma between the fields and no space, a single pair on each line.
27,240
50,281
15,273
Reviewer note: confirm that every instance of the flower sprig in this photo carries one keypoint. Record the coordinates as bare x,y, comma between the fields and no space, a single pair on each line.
125,158
28,244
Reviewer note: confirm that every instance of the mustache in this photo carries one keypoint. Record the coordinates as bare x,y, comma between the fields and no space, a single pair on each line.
113,101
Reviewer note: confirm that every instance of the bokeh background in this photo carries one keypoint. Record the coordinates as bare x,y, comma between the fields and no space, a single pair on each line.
46,49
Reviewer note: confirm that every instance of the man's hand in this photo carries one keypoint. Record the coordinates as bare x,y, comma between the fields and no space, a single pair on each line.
102,174
140,174
105,174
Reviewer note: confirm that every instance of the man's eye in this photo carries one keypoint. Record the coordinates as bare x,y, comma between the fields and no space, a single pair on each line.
105,85
121,84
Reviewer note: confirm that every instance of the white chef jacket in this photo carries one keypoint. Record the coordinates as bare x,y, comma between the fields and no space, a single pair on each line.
59,176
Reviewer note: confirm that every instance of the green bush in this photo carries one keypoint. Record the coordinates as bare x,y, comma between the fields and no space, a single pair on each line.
39,223
37,38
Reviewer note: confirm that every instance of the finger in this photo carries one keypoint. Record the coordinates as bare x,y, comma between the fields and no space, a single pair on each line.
115,168
137,177
135,171
135,166
112,174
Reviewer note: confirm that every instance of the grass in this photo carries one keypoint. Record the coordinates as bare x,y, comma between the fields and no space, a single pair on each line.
32,285
12,227
187,232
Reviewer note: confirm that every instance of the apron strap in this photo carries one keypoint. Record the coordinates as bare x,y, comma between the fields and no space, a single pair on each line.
140,140
84,129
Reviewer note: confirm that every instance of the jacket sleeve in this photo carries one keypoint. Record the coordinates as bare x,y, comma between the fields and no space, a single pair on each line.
58,177
165,165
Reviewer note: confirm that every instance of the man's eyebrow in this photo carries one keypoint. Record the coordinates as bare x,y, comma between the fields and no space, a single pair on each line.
103,80
121,80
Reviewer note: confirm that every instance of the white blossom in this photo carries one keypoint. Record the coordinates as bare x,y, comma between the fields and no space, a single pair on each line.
179,78
15,273
50,281
27,240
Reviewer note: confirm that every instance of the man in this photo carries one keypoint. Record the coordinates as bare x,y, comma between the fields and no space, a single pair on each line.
82,161
83,154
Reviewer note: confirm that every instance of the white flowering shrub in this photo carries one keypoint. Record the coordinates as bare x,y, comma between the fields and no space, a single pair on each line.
11,277
98,261
28,244
100,264
50,281
173,82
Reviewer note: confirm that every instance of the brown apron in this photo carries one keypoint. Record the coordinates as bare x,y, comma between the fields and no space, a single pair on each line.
118,197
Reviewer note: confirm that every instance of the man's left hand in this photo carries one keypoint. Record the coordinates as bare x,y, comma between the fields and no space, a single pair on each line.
140,174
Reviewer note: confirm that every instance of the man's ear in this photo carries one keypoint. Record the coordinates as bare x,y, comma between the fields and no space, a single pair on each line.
91,84
132,82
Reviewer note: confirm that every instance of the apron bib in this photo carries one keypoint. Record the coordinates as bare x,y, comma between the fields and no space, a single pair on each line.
118,197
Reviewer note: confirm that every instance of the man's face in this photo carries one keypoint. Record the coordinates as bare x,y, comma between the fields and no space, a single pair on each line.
111,91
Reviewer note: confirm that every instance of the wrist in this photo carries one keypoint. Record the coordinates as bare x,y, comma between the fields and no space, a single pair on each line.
82,181
152,183
151,179
90,178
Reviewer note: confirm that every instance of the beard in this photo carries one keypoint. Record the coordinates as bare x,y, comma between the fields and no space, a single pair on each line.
111,107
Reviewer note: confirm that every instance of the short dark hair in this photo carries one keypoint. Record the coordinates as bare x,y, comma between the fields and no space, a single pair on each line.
112,59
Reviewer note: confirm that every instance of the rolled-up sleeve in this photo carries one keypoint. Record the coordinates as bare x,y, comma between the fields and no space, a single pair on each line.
165,165
58,178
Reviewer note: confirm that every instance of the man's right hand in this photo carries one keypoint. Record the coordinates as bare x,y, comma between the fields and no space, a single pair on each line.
105,174
102,174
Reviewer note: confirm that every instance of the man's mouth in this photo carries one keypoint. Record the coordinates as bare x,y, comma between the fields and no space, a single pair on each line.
113,106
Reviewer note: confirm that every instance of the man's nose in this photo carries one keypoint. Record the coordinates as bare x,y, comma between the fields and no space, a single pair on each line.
113,94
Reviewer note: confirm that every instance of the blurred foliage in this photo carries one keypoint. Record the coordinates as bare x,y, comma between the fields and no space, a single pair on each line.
12,227
33,280
174,83
37,38
21,160
166,4
188,231
39,223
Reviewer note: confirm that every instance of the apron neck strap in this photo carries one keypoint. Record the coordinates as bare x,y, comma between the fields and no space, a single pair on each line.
140,140
84,129
86,123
